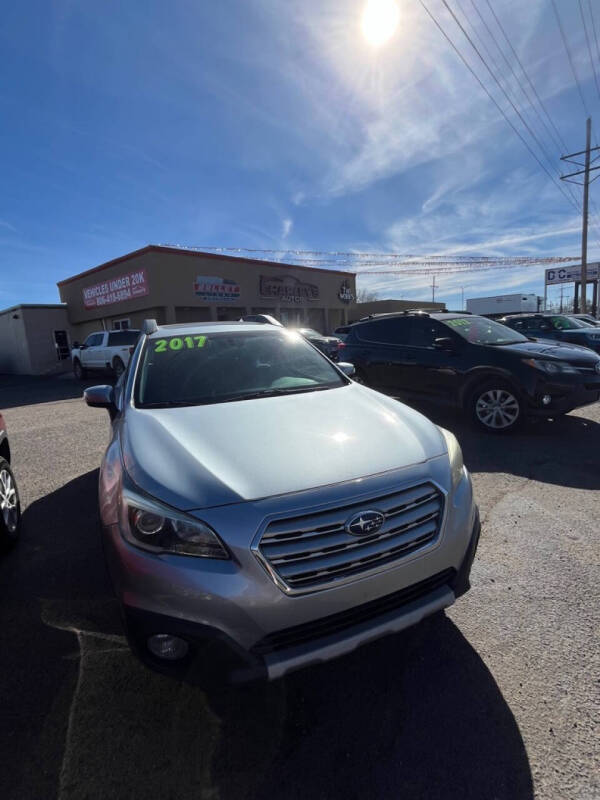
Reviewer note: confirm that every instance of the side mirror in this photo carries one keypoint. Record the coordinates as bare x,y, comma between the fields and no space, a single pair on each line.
101,397
445,343
347,368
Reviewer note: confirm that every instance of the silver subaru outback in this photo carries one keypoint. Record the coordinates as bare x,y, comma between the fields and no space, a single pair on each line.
261,511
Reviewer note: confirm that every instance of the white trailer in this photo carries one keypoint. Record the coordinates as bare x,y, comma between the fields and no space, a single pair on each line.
502,304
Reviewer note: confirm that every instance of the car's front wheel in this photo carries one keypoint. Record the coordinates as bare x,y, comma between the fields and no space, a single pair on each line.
496,407
10,506
118,368
78,370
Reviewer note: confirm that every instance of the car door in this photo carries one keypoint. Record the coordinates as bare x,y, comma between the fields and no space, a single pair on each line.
384,344
93,352
430,370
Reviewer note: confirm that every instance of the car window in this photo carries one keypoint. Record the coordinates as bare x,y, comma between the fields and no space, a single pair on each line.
424,332
385,331
122,338
564,324
480,330
200,369
94,339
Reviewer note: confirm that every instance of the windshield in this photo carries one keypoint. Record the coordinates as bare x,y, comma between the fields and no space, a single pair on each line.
568,323
219,367
479,330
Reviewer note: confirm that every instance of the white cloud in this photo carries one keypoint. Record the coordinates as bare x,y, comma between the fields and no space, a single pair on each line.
286,227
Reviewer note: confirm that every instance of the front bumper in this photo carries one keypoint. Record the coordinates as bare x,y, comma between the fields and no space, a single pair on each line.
241,625
214,658
564,396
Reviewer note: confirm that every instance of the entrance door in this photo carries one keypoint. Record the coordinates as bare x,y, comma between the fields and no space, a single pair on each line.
61,342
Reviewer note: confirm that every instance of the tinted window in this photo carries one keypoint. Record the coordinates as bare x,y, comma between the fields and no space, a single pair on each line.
122,338
566,323
199,369
480,330
94,339
424,332
385,331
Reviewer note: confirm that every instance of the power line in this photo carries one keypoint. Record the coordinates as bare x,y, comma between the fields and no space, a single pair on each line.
527,76
549,158
568,51
514,74
486,90
587,39
594,29
515,109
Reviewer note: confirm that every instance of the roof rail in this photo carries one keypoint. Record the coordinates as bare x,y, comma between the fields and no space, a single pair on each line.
149,326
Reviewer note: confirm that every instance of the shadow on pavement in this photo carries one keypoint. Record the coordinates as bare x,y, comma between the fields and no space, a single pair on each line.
414,716
55,573
417,715
563,451
26,390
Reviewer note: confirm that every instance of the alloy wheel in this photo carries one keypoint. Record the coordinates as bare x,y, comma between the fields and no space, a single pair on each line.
8,501
497,409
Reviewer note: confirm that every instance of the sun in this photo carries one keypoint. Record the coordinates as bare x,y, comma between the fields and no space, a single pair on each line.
379,21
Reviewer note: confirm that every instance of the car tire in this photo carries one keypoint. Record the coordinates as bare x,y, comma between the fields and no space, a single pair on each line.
118,367
496,406
78,370
10,507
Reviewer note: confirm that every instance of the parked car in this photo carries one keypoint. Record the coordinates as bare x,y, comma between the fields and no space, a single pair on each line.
262,319
261,511
329,345
561,327
10,506
104,350
587,318
495,374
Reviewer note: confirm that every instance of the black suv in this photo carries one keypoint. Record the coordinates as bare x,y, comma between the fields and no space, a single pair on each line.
496,374
561,327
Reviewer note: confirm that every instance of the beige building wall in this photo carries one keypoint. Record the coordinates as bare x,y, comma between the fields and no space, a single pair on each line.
166,280
27,340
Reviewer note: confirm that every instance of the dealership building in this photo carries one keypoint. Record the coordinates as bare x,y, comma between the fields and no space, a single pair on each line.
174,284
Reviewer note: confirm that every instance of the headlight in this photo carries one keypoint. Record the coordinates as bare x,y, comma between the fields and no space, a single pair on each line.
151,526
551,367
455,455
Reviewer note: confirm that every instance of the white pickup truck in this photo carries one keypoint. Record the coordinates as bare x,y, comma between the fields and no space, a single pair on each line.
104,350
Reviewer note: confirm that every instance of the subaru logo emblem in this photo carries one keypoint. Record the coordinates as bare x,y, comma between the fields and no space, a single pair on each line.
598,367
365,522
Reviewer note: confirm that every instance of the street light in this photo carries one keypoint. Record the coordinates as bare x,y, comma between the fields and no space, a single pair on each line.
379,21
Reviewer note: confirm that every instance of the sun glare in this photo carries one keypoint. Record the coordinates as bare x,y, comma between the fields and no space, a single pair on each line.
379,21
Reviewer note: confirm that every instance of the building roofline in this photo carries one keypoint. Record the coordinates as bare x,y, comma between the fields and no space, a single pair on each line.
158,248
33,305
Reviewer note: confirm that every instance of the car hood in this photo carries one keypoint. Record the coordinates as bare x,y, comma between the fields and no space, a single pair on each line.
561,351
211,455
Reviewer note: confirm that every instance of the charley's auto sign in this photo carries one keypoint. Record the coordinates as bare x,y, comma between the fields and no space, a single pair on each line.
213,289
129,286
288,289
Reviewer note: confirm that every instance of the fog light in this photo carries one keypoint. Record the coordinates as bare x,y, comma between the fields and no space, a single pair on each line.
163,645
546,399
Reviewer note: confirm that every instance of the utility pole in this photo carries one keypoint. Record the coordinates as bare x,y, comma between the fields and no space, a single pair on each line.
433,290
586,190
462,298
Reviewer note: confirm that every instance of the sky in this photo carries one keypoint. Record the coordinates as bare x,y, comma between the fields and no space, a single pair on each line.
275,124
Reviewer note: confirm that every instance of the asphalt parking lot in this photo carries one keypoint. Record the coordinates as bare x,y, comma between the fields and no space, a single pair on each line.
498,698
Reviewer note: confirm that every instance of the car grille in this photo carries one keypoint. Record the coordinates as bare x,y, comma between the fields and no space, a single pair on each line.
335,623
313,551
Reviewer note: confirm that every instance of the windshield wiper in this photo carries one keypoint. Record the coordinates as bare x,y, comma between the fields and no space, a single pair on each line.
276,392
170,404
